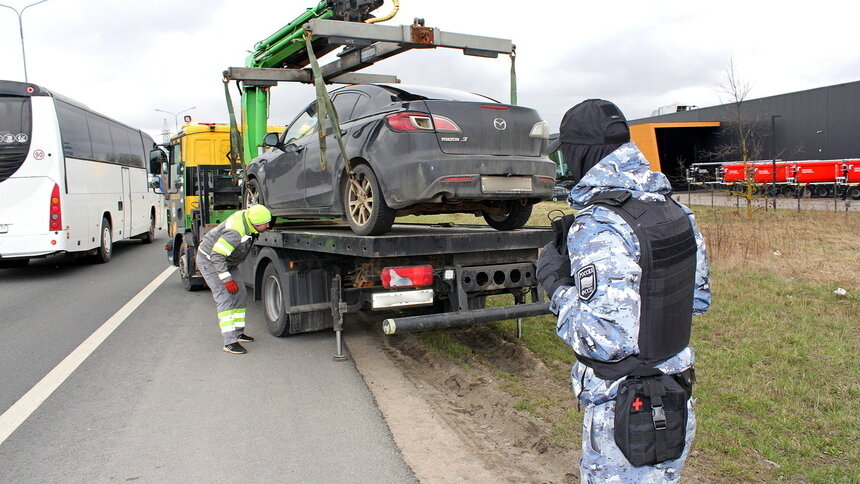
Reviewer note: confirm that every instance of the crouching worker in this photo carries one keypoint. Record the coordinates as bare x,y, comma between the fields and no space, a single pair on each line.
218,258
625,276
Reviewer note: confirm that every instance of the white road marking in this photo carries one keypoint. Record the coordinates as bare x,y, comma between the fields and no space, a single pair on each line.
23,408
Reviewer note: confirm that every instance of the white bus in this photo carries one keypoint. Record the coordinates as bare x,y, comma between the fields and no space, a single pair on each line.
71,180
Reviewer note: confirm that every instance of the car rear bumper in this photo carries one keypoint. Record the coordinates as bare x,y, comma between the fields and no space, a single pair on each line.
467,179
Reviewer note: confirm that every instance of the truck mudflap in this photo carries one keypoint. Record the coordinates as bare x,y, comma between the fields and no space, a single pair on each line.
463,318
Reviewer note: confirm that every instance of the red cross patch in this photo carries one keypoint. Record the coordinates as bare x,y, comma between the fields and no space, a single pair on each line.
637,404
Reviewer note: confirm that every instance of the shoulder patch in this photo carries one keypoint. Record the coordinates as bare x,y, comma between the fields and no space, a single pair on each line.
586,282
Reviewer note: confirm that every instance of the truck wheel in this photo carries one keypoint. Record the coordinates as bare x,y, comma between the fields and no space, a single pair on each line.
518,213
149,236
274,306
854,192
188,269
365,207
253,193
103,253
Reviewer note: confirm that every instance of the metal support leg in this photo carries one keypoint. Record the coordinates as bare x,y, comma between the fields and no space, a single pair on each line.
338,307
519,299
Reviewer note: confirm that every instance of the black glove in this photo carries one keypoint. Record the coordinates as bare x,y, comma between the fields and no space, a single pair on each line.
553,269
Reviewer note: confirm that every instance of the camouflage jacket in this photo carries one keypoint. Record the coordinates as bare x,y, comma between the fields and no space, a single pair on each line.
605,326
228,244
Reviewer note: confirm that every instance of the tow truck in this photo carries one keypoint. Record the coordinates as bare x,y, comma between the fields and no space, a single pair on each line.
316,275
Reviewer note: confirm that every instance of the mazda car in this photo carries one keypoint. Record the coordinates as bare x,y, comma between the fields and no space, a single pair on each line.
409,150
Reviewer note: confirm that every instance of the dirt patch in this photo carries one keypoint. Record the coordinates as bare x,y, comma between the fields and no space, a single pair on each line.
474,399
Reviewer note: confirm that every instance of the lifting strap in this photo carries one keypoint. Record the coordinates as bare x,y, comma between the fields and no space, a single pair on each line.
325,109
235,154
514,76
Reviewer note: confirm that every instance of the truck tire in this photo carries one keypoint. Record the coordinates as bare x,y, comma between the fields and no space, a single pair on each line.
149,235
188,269
518,213
854,192
364,204
274,307
103,253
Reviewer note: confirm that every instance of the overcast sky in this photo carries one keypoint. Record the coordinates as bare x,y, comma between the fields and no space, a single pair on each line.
127,58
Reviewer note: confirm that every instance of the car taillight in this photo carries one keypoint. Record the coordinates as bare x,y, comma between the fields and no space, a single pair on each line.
56,217
540,130
407,276
409,121
500,107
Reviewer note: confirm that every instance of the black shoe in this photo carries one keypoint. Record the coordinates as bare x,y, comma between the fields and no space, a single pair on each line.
244,338
235,348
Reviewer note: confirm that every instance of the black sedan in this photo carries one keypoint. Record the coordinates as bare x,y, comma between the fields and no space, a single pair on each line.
409,150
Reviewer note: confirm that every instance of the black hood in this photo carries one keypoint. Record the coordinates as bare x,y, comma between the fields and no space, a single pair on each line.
589,131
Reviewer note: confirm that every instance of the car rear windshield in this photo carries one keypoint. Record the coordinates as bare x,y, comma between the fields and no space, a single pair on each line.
412,93
15,126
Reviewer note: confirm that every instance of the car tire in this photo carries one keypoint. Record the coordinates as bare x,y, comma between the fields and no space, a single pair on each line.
518,213
253,193
105,250
364,204
274,302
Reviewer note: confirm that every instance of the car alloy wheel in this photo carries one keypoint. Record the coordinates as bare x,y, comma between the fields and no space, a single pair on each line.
364,204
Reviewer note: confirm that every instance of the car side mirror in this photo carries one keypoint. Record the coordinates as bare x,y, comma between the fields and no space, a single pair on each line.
273,140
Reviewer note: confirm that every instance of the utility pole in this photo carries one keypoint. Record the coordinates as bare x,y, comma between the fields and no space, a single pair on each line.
176,115
21,31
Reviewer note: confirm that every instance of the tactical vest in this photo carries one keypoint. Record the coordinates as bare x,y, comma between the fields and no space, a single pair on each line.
668,261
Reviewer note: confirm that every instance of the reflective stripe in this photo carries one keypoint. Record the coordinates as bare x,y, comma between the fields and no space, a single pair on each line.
223,275
231,319
223,247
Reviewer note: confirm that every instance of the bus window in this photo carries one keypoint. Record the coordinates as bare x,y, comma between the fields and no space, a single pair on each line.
15,132
100,135
74,131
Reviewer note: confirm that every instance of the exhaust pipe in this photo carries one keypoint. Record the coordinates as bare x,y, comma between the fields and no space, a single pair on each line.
463,318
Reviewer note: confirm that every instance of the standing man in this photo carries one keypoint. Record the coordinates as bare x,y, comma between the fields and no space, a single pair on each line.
625,285
218,258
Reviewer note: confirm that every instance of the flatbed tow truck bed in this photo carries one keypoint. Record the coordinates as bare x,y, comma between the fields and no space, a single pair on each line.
312,276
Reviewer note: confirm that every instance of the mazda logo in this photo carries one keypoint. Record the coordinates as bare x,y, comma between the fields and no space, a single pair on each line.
500,124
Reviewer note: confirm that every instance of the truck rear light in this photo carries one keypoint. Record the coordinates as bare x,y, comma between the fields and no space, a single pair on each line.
55,221
410,121
407,276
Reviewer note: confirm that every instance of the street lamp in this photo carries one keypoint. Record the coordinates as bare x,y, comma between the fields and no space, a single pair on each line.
176,115
21,31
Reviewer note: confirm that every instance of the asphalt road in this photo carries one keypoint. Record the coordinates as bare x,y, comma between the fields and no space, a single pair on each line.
158,401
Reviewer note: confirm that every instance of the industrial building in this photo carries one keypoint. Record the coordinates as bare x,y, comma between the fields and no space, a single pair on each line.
816,124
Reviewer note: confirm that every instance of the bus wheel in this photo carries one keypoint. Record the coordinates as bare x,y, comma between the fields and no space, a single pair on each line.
105,249
149,236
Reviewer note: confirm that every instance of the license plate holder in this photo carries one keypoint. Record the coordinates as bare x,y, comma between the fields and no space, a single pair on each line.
506,184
